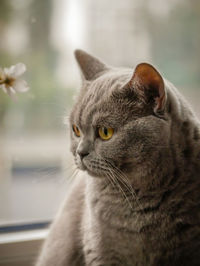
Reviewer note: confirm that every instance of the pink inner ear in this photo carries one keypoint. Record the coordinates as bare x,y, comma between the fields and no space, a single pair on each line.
146,79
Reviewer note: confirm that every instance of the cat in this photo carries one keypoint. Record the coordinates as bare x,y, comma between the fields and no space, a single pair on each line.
136,200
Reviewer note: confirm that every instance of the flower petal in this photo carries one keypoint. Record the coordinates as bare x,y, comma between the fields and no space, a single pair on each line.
16,70
12,93
11,90
20,85
8,71
3,87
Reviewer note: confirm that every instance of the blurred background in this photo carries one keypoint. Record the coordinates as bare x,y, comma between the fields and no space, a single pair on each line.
35,163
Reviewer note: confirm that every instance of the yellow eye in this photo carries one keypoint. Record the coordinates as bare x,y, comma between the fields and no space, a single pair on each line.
76,131
105,133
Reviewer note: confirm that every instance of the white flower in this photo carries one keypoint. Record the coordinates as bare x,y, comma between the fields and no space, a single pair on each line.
10,81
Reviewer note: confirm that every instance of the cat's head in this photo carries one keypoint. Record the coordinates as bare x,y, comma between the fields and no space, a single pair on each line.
118,123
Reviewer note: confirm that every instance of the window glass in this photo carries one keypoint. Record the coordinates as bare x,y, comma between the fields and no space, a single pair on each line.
35,163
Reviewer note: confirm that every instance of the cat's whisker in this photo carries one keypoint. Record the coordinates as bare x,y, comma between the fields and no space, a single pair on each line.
123,176
120,188
111,180
70,167
66,171
69,179
124,180
115,180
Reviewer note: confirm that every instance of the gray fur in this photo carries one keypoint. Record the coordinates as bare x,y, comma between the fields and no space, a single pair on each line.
138,200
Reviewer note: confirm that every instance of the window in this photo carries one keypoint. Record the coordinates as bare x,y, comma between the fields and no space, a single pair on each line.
34,159
35,163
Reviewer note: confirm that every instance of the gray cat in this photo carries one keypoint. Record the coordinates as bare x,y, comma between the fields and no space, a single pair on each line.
138,199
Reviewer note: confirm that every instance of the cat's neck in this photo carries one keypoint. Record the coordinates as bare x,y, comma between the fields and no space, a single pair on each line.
121,196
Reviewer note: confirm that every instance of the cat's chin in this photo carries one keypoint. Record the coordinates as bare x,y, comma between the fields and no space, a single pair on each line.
96,175
91,169
81,166
92,173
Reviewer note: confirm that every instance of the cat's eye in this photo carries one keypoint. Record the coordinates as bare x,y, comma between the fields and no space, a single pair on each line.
76,130
105,133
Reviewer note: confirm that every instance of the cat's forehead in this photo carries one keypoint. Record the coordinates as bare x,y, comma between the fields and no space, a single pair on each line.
114,76
96,104
103,87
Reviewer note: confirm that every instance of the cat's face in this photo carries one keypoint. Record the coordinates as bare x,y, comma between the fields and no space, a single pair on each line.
113,128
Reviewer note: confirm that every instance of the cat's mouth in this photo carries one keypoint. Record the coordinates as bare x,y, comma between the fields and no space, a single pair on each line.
80,164
93,167
100,168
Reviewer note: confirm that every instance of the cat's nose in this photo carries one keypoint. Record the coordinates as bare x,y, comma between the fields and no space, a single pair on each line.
82,153
83,148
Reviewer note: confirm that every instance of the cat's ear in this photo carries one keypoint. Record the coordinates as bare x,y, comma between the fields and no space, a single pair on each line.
149,84
90,66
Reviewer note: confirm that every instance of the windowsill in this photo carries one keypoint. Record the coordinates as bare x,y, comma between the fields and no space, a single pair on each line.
21,248
7,238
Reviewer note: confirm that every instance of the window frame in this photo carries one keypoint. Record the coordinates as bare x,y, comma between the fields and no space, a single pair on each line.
21,248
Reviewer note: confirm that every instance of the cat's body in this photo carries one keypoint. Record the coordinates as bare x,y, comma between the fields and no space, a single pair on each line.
140,203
